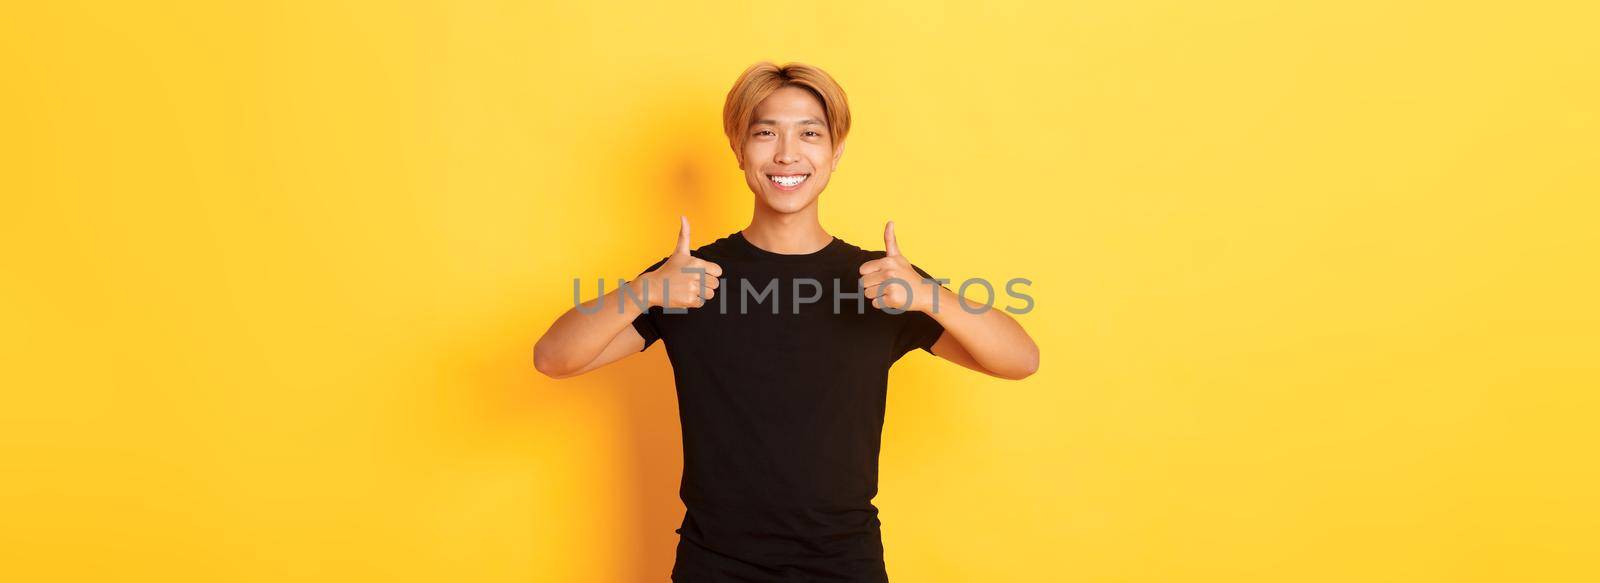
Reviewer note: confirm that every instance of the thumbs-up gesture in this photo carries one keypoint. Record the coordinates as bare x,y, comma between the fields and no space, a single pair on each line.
878,279
679,283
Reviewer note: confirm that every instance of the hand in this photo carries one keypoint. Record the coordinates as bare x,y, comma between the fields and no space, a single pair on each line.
876,276
672,287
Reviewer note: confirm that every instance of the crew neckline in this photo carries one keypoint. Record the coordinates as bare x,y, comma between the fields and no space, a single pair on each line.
832,247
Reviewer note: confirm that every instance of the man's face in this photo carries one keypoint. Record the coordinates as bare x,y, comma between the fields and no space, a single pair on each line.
788,151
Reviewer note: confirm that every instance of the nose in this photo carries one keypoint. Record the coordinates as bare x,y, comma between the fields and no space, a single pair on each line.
786,153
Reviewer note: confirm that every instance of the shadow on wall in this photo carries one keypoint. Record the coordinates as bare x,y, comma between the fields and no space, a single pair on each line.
640,392
673,176
677,180
655,455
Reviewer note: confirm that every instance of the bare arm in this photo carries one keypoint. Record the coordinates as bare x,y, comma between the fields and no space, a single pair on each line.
989,341
579,342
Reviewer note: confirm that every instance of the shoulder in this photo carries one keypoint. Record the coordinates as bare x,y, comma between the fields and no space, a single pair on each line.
720,249
856,254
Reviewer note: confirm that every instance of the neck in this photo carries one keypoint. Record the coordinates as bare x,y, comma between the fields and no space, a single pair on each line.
794,233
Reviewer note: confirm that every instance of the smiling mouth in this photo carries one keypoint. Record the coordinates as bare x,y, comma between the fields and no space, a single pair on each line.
788,181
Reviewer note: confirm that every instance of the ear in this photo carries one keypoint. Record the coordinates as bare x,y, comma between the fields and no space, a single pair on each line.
838,153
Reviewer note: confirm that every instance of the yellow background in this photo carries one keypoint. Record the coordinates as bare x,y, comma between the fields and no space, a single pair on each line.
1315,284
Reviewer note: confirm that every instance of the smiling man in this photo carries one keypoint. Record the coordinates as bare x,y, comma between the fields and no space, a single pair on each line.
782,384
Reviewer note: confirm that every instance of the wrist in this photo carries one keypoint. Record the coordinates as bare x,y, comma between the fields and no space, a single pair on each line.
645,288
938,301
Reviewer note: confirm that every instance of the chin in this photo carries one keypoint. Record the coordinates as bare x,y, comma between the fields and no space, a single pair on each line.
787,202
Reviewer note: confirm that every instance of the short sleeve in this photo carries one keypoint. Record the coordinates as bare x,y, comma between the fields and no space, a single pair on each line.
917,329
645,322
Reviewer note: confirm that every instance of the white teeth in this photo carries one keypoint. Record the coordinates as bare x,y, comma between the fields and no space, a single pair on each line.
789,181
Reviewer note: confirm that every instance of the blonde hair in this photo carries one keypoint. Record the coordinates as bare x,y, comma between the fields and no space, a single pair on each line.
762,79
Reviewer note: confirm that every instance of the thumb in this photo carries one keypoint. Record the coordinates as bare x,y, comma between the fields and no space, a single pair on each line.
890,247
683,236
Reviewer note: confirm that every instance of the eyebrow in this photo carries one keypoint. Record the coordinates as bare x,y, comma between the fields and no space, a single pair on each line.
806,121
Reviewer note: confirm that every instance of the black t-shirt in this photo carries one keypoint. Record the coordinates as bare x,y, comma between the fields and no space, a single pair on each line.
783,414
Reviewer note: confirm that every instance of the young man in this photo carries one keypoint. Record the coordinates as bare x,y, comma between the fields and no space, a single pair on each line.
782,379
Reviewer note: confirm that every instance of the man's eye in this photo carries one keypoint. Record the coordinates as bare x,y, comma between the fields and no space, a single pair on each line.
763,132
812,133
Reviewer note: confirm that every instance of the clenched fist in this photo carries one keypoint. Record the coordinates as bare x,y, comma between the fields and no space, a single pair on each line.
674,285
892,283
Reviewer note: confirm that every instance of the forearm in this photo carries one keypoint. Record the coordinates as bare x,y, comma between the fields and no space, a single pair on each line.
579,335
993,338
